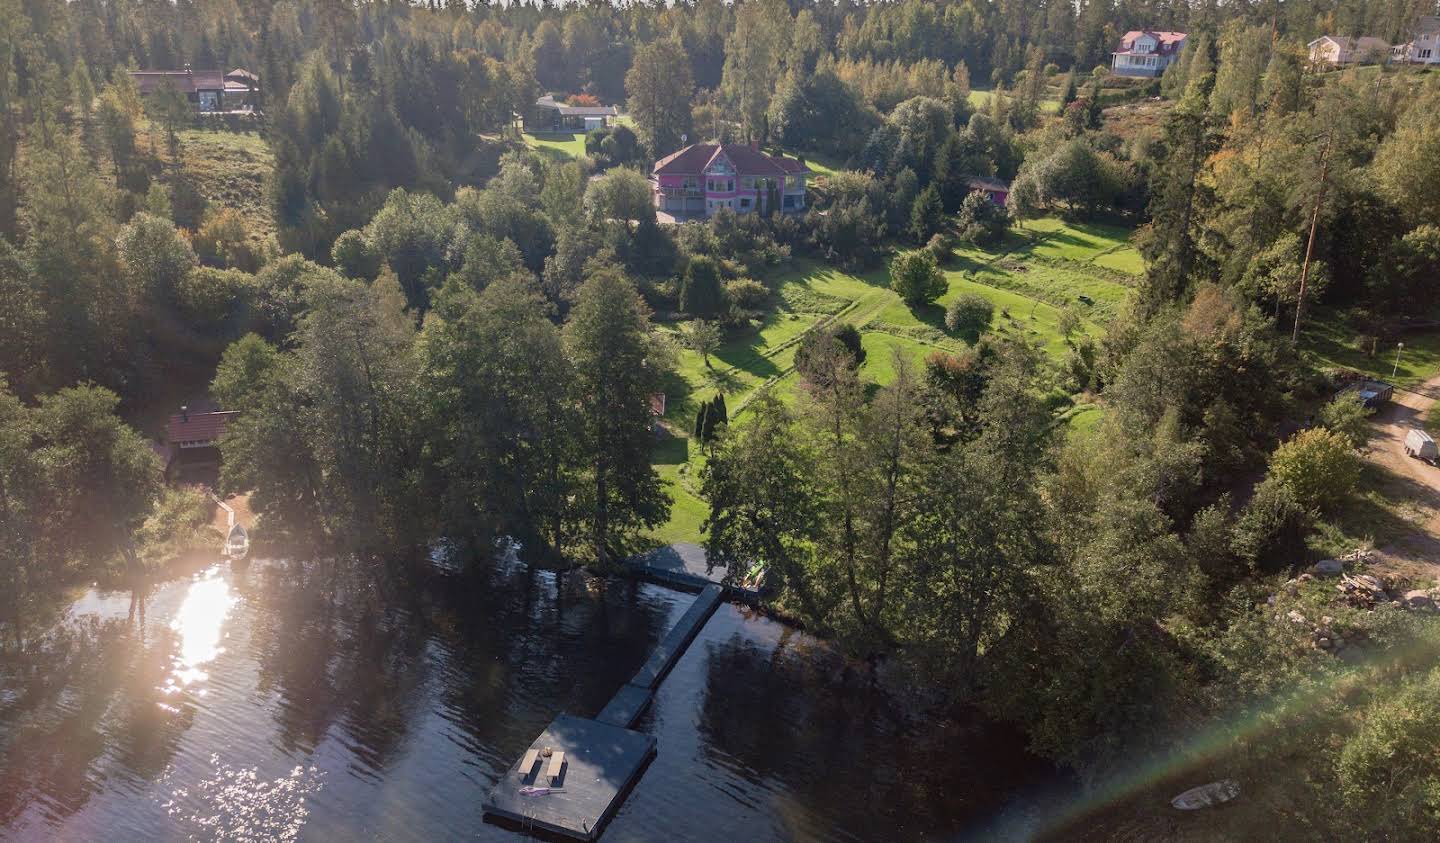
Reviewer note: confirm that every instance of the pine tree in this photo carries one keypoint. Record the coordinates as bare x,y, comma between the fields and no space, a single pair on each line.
701,417
720,408
927,215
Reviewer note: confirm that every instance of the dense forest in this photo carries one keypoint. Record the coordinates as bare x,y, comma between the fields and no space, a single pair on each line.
432,329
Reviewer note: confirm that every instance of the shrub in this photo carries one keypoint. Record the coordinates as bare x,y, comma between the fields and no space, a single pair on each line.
817,345
1347,416
1271,530
746,293
223,241
1318,466
969,313
1389,760
941,247
916,278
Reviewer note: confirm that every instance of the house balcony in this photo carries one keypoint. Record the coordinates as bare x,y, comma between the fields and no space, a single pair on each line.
681,192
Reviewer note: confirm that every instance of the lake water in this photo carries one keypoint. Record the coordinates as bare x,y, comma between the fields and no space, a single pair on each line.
278,700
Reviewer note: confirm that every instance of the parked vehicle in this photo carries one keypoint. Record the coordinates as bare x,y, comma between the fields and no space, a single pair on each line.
1375,393
1421,445
1370,393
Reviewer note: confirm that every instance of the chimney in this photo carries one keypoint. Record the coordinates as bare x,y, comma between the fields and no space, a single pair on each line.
184,412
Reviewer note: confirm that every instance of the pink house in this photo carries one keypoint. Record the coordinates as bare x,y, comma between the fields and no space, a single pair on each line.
997,190
704,177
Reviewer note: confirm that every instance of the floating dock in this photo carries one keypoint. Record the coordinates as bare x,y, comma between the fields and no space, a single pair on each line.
603,757
601,763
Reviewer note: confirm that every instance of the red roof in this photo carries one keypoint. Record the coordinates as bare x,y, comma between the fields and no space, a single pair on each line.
185,81
198,427
694,159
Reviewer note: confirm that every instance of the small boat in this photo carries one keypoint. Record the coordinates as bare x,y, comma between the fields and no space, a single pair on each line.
1207,795
237,544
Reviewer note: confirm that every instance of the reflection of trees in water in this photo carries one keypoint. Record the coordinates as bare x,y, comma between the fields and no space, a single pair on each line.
504,647
843,749
336,654
521,644
84,688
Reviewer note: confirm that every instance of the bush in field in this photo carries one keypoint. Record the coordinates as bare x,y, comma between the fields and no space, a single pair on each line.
746,293
942,248
969,314
915,276
819,346
1318,466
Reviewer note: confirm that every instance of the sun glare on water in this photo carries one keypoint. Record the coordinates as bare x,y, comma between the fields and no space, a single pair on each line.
200,622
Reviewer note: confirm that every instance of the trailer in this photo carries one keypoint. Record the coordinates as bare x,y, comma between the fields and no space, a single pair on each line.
1420,445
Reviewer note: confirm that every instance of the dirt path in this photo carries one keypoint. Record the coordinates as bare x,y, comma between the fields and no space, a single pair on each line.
1414,552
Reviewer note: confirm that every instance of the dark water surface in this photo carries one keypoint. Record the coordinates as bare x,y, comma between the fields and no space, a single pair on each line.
286,701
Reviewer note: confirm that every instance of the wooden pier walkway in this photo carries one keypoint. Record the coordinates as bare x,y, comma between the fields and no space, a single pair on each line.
603,758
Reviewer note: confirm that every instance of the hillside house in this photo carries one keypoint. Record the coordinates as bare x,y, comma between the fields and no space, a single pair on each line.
1341,50
1146,52
1424,44
705,177
997,190
208,90
551,115
192,444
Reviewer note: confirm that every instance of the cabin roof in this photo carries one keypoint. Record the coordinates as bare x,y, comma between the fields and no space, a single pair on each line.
185,81
198,427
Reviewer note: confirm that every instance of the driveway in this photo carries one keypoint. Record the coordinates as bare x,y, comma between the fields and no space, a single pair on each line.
1415,551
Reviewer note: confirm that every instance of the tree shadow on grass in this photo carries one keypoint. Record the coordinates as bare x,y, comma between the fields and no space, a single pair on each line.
670,450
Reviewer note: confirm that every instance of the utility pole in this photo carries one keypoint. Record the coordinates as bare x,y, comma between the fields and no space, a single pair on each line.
1314,224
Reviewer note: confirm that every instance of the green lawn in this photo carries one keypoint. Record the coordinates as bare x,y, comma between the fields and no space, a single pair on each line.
227,168
1330,342
564,145
1029,279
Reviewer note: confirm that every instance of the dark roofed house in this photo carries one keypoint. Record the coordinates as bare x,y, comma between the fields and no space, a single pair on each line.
209,90
552,115
193,443
705,177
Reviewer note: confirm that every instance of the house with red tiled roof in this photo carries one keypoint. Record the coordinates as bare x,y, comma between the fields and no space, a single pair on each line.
1145,52
706,177
192,442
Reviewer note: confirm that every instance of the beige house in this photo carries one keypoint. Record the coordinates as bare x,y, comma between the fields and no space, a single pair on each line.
1339,50
1424,44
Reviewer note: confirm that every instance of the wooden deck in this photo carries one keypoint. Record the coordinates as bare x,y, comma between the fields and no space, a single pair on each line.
603,757
601,763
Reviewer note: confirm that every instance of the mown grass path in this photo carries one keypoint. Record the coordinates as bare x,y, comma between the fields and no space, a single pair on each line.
1031,278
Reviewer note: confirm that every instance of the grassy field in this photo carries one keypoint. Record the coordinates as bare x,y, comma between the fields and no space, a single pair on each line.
228,168
1030,278
1329,342
565,145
